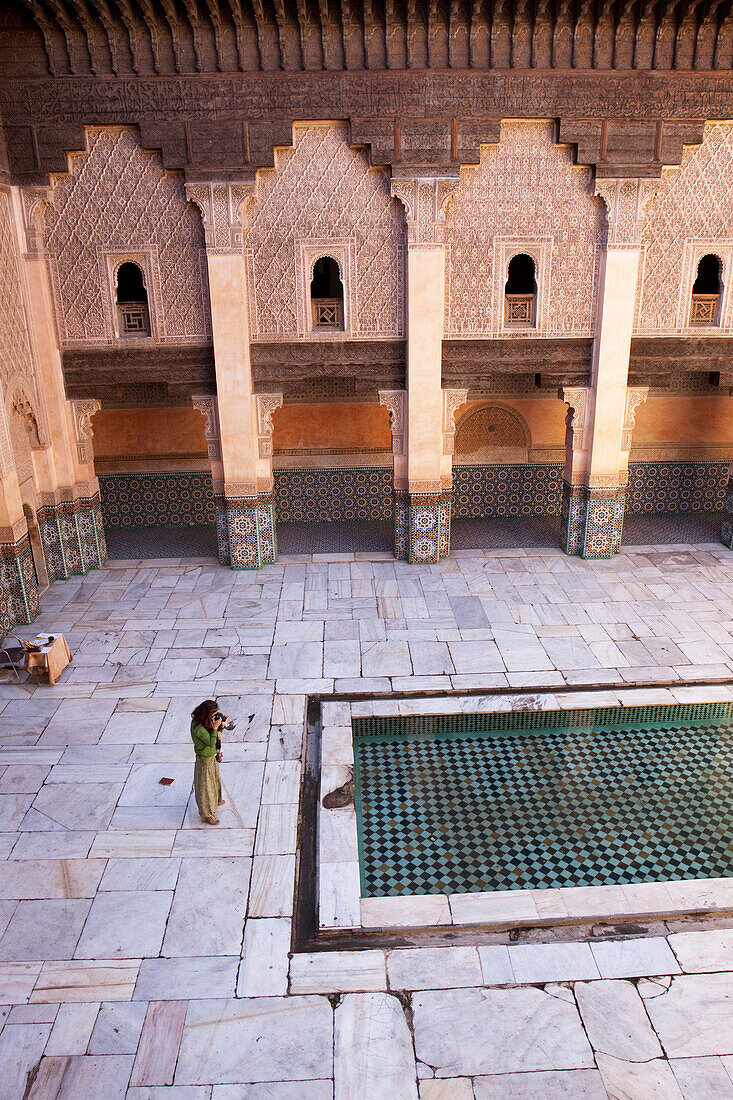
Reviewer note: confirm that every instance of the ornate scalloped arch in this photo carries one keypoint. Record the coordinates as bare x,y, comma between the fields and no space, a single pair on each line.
493,432
21,389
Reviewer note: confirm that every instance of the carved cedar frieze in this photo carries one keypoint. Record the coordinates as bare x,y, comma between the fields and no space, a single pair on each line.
378,363
103,373
621,121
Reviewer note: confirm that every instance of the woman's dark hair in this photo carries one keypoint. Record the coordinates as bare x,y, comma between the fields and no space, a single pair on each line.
203,713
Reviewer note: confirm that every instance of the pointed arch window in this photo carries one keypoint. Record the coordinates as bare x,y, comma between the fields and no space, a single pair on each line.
133,316
707,291
327,296
520,292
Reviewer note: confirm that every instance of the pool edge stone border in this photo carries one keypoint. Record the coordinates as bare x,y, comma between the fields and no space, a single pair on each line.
344,919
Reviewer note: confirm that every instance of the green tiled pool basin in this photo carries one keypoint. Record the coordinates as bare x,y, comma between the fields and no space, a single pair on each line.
541,799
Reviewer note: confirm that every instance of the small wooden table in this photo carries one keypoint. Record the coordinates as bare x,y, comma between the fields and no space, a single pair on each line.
52,657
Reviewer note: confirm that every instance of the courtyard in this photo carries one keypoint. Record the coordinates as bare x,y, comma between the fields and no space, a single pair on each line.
143,954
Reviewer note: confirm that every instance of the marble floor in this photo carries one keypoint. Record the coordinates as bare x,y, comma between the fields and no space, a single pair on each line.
146,956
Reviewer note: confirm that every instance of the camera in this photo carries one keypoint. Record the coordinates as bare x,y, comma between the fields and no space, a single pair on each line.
226,724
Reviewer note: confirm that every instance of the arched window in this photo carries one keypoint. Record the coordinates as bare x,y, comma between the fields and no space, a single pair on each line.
327,296
132,301
707,291
520,291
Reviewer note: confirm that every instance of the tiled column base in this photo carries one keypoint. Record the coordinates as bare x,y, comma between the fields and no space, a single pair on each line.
73,537
18,588
422,526
245,529
592,520
726,531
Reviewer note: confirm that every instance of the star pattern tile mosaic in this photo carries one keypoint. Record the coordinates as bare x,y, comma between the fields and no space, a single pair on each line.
453,804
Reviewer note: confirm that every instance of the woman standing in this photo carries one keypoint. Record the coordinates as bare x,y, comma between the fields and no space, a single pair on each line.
206,723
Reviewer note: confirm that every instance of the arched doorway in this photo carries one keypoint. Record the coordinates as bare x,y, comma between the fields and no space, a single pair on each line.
502,496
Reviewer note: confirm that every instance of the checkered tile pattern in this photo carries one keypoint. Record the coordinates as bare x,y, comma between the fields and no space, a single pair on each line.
596,801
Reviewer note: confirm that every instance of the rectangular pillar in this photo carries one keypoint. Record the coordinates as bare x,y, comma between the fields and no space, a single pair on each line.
423,504
599,429
68,510
243,492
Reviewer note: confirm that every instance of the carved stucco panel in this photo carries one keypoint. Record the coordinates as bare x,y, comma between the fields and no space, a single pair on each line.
578,400
267,403
15,349
83,413
208,404
691,215
394,401
525,187
452,401
321,189
635,396
117,197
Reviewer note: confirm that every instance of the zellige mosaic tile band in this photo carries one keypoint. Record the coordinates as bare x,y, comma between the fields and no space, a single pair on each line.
157,499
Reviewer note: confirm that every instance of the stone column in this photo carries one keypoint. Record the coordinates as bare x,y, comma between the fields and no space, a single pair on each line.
18,588
596,467
422,509
395,401
243,489
69,513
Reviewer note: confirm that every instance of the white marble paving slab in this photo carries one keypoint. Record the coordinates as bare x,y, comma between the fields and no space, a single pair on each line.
41,930
469,1032
117,1028
51,878
187,978
373,1053
703,952
338,971
72,1028
416,911
693,1019
135,844
272,885
615,1020
17,980
125,924
633,958
104,1078
552,962
264,969
260,1039
211,894
702,1077
574,1084
433,968
140,874
97,980
339,895
631,1080
277,828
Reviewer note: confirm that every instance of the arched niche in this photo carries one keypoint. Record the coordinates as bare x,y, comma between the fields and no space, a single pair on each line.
492,434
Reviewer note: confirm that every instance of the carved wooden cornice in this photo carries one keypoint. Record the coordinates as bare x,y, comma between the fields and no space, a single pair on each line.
214,126
226,35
